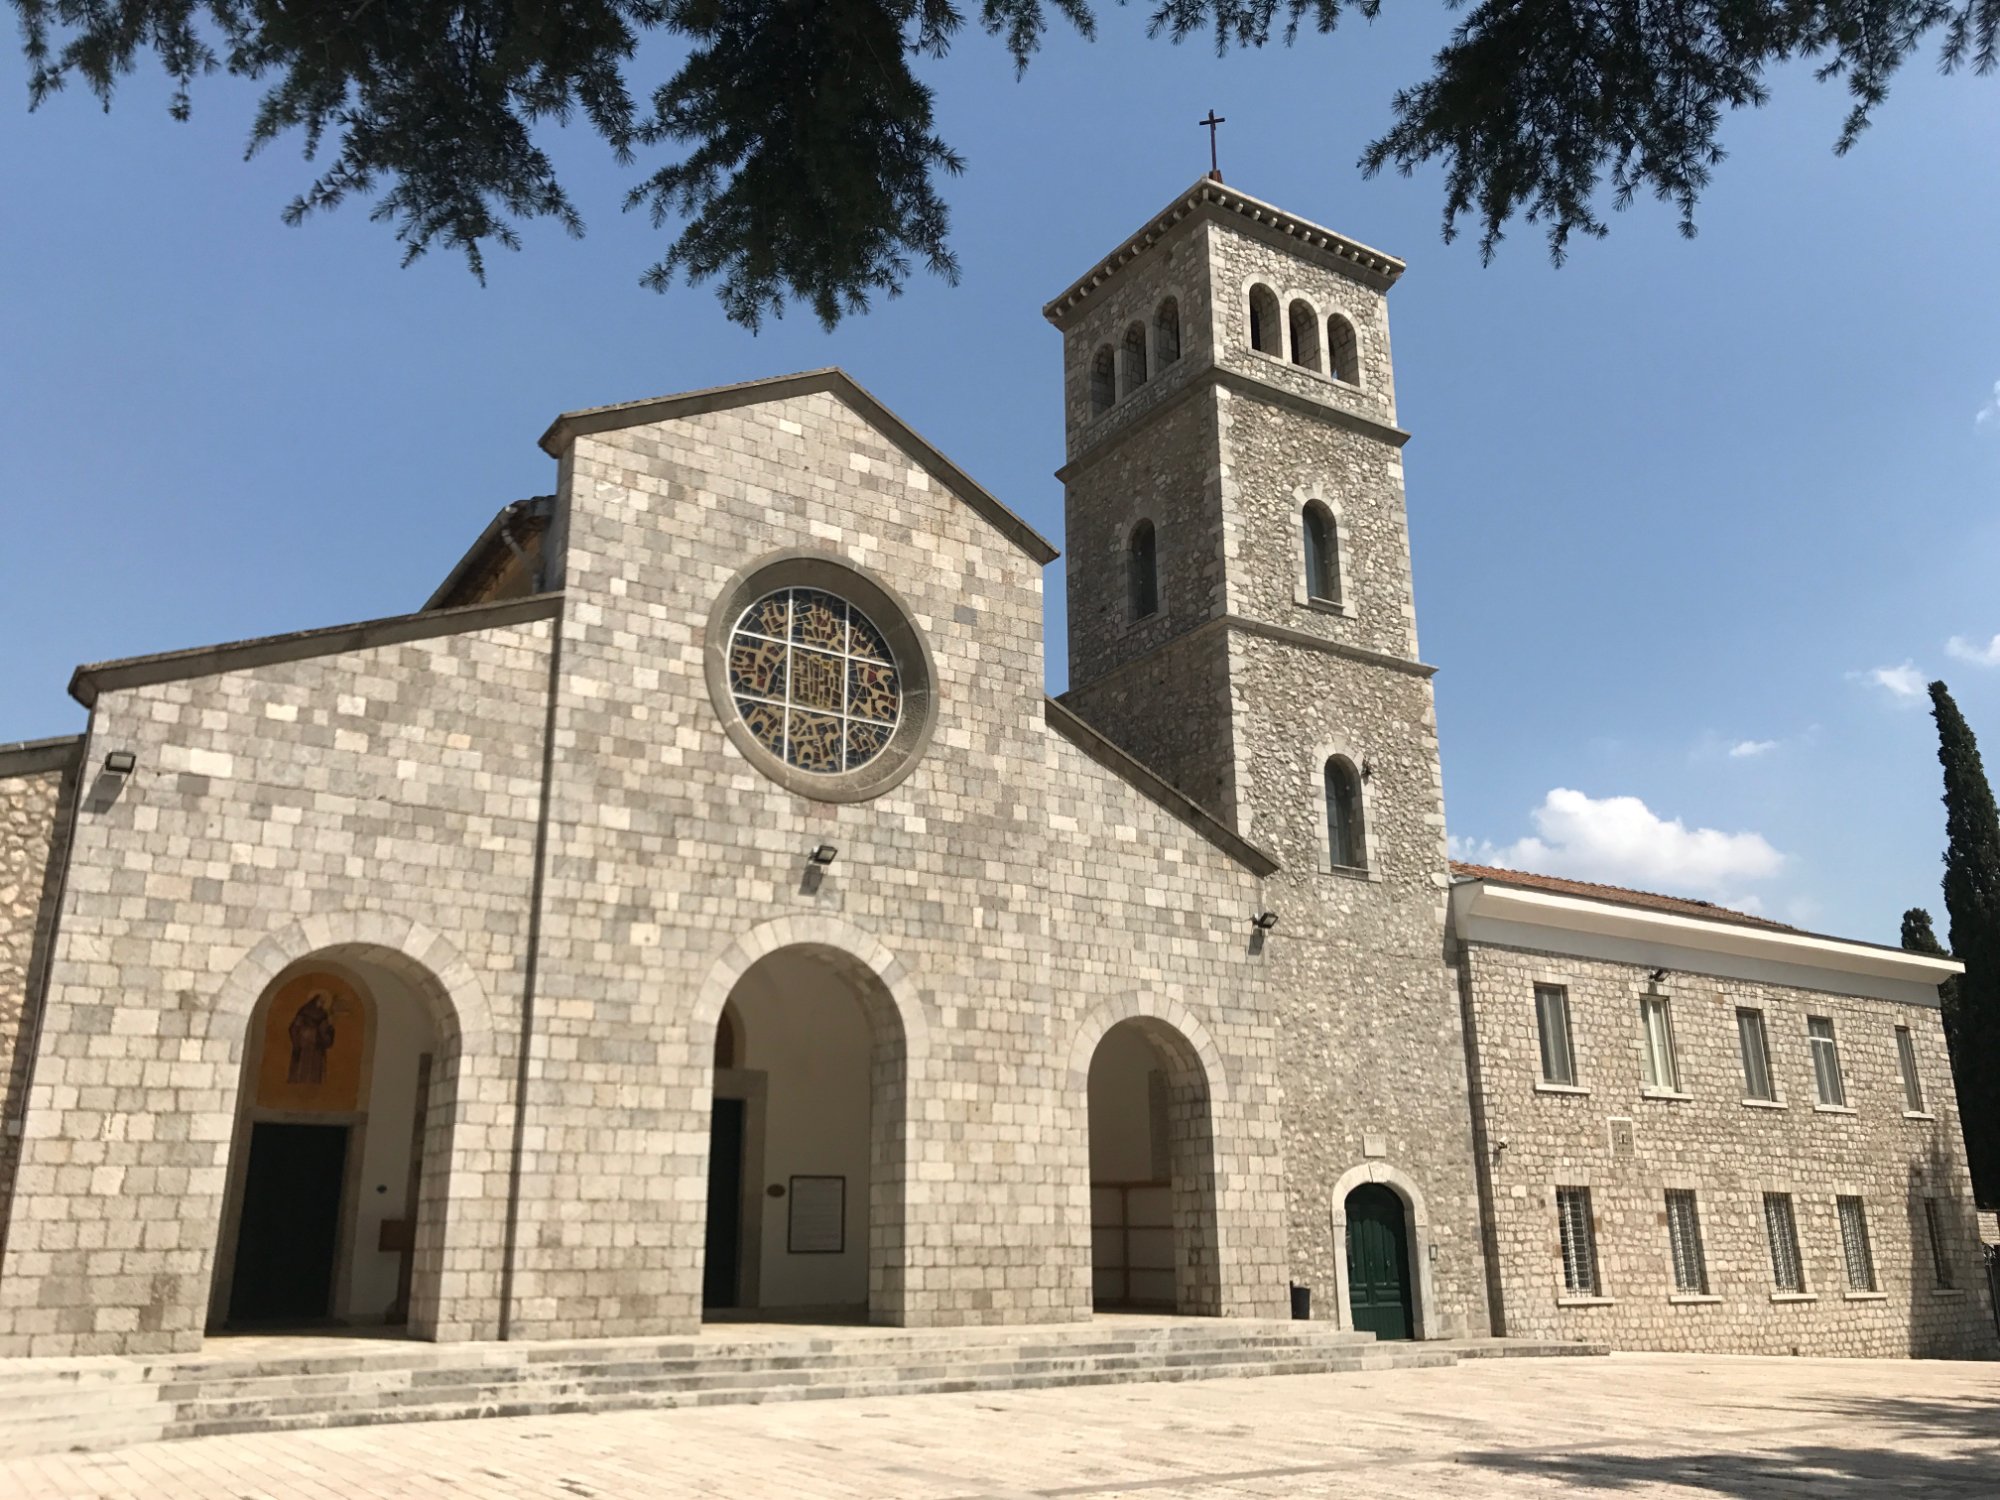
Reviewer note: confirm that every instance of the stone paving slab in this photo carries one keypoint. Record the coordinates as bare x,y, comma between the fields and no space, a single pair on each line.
1643,1426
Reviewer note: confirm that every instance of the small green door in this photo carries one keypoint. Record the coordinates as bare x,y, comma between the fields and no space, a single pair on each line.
1378,1262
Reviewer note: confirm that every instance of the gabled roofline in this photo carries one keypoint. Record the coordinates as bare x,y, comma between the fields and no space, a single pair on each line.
237,656
1208,196
1065,722
831,380
535,506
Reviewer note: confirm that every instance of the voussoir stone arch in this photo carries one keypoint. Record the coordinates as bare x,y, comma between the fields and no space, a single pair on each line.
1169,1013
814,930
1423,1295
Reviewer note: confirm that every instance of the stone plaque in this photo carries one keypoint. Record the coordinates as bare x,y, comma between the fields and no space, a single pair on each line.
818,1222
1374,1145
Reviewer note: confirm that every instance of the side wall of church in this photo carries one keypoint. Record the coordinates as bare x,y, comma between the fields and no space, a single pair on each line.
34,827
1024,896
1730,1153
378,791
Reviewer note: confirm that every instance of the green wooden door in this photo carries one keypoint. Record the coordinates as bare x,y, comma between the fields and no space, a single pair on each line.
1378,1263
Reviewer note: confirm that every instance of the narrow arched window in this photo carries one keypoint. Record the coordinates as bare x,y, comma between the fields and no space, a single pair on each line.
1135,357
1103,381
1305,336
1266,336
1322,553
1344,349
1142,572
1343,814
1167,332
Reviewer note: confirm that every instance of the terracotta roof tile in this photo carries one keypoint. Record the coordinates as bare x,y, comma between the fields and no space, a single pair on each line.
1555,884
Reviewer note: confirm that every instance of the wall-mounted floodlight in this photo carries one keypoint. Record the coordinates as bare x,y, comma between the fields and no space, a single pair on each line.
823,855
121,762
1264,921
1657,975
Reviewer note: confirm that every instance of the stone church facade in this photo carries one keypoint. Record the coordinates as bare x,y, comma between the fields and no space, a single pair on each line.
697,910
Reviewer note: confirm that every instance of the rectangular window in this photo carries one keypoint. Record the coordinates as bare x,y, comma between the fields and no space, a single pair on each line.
1906,1059
1579,1241
1826,1061
1750,1039
1552,1018
1684,1242
1940,1257
1787,1270
1662,1072
1854,1246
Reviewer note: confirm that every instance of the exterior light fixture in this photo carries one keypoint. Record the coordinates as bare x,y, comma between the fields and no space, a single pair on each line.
824,854
1657,975
121,762
1264,921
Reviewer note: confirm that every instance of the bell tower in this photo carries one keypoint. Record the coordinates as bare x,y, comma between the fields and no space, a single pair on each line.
1241,619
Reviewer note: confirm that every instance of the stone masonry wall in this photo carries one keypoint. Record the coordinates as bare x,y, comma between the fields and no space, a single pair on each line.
1730,1153
385,796
34,816
1028,895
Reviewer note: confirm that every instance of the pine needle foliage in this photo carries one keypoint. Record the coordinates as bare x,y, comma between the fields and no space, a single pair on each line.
812,169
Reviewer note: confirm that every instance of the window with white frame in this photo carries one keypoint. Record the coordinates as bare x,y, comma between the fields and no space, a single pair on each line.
1940,1255
1906,1063
1552,1021
1788,1272
1684,1243
1826,1061
1855,1248
1579,1242
1754,1044
1656,1018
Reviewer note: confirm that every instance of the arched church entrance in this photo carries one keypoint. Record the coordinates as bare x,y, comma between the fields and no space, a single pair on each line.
341,1091
806,1154
1378,1263
1152,1173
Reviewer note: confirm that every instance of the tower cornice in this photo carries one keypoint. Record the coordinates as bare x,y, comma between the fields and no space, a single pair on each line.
1213,199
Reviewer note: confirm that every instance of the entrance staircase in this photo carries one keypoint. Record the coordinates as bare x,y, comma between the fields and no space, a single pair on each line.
271,1384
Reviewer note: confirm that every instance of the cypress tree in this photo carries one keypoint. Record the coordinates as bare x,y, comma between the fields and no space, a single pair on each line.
1972,904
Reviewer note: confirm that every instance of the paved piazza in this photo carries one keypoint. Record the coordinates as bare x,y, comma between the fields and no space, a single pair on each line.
1634,1425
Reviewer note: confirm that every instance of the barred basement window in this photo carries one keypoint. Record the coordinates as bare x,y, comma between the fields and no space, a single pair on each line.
1552,1020
1684,1243
1940,1258
1756,1049
1906,1061
1826,1061
1788,1272
1854,1246
1662,1071
1579,1241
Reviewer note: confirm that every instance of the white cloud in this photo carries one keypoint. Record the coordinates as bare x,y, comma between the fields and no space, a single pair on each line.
1622,841
1745,749
1989,413
1904,683
1987,655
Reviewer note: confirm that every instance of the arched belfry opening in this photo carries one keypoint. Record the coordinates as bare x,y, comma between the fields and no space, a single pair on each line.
333,1211
1152,1174
806,1155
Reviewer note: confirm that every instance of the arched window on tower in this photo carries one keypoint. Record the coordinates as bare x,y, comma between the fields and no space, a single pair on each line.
1167,332
1322,553
1103,381
1305,335
1266,336
1135,357
1344,349
1142,572
1344,835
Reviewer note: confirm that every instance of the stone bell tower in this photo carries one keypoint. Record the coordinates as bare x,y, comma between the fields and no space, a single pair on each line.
1241,619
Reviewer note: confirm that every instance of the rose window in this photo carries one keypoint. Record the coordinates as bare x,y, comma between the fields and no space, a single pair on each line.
814,680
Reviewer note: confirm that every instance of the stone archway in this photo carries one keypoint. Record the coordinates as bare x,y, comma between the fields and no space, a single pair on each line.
1423,1298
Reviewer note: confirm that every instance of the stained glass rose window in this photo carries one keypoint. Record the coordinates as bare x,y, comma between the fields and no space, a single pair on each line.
814,680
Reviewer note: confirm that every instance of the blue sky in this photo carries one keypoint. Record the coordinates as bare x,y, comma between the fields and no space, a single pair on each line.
1689,517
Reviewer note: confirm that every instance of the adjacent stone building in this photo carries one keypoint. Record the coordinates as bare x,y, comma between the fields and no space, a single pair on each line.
697,909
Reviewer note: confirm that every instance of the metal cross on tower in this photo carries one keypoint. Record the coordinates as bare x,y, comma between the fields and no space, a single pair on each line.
1213,120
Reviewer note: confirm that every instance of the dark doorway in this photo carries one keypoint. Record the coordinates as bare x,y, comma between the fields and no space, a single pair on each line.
725,1205
290,1229
1378,1263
